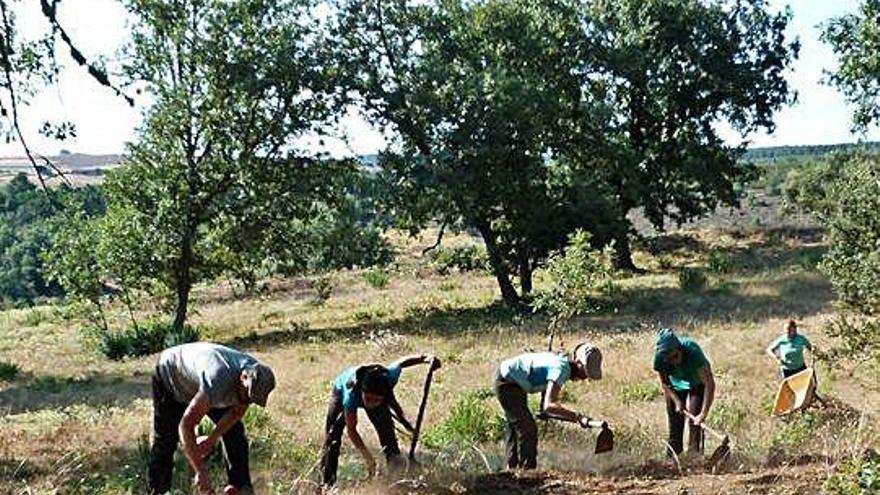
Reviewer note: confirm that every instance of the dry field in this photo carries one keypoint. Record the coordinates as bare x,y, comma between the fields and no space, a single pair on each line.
73,422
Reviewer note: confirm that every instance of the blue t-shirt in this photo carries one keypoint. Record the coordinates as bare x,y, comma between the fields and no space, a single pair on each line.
351,400
533,370
686,375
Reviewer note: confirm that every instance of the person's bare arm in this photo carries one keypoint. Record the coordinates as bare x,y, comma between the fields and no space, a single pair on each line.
232,416
351,421
196,410
669,393
771,351
398,411
553,407
416,359
709,396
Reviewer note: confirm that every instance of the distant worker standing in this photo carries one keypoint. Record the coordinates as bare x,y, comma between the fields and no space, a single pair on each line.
195,380
543,372
788,350
688,384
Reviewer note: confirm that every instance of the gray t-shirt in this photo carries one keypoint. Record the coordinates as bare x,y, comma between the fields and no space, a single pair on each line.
186,369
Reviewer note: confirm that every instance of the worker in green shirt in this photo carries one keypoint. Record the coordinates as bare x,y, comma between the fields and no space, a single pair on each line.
688,384
788,350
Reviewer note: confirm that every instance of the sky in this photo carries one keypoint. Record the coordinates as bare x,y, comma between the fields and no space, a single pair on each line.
105,122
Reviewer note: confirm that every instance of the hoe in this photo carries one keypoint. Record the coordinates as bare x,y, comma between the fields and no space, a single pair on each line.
722,452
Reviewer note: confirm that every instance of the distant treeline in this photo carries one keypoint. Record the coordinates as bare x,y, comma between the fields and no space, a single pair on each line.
807,151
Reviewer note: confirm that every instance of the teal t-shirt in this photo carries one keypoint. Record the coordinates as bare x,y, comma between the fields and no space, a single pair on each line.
686,375
791,351
351,400
533,370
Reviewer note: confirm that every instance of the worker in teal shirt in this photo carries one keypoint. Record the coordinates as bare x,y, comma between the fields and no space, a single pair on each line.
545,373
788,350
688,384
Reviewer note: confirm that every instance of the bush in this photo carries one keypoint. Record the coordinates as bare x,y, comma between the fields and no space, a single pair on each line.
576,275
148,337
461,258
323,286
720,263
8,371
377,278
858,476
470,422
692,279
639,392
729,414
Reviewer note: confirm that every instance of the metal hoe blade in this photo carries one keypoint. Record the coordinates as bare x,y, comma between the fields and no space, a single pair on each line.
605,441
721,454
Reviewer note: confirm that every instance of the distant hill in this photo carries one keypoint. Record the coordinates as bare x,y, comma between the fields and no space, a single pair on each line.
75,163
805,151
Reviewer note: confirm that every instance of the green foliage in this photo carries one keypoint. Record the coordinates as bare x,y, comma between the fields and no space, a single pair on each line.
843,193
631,393
216,182
791,437
323,286
735,55
720,262
470,421
692,279
729,415
146,338
857,476
8,371
475,129
855,39
377,278
576,276
461,258
29,222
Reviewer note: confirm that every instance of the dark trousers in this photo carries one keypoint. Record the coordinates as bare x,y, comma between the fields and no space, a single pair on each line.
167,413
334,426
693,400
787,373
521,433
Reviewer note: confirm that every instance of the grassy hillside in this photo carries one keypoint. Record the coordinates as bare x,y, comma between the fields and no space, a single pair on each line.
74,422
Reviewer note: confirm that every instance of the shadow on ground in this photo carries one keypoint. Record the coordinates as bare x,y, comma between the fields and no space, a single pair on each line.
50,392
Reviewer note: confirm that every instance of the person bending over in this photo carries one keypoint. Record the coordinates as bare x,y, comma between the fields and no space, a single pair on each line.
369,387
539,372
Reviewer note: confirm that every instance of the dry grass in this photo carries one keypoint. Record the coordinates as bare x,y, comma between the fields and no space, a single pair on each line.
72,421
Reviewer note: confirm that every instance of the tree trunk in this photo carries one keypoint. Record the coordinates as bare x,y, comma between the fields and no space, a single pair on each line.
184,283
508,292
525,277
622,259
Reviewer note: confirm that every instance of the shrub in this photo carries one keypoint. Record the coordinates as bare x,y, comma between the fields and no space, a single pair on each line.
323,286
470,422
148,337
8,371
720,263
858,476
377,278
729,414
461,258
639,392
576,275
692,279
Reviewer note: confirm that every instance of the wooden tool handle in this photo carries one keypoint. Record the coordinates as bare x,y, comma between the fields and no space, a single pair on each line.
705,427
421,416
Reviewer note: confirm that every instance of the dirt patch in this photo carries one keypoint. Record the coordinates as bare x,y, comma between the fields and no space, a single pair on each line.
788,480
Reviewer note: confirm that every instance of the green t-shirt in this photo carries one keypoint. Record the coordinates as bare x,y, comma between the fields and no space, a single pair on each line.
791,351
686,375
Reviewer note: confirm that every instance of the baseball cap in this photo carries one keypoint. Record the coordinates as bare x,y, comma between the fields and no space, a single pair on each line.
261,384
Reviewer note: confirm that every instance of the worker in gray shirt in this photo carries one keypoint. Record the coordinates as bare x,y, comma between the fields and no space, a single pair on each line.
195,380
